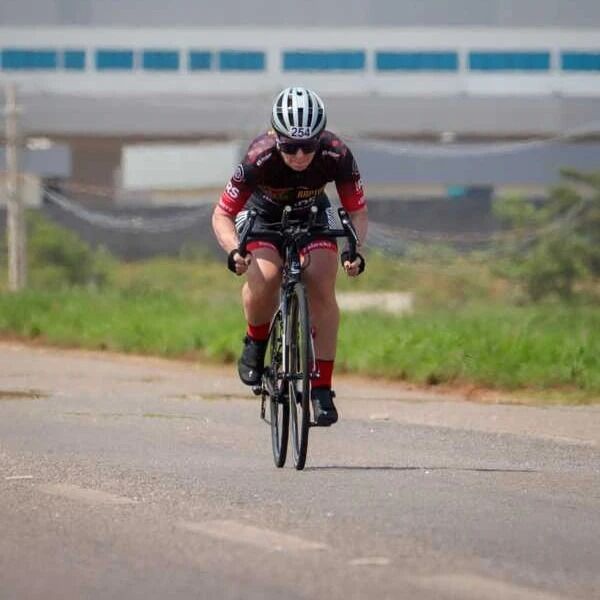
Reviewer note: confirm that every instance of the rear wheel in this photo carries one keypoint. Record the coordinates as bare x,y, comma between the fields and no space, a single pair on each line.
299,367
277,392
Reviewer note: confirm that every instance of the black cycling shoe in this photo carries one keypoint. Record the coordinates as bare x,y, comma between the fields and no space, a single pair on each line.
251,363
323,407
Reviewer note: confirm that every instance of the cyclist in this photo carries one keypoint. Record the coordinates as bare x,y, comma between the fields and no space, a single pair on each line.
290,165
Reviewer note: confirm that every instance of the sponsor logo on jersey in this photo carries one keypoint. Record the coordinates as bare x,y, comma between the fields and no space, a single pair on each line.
303,203
309,193
331,153
232,191
263,159
319,245
238,176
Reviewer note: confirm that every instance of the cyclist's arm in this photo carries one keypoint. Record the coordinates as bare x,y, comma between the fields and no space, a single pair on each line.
352,196
231,202
360,220
351,193
223,225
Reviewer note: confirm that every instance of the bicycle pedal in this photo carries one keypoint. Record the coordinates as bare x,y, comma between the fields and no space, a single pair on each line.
257,390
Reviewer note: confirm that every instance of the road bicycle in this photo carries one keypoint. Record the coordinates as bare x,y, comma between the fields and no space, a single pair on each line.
290,363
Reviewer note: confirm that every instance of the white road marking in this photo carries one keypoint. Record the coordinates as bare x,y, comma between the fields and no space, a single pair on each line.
379,417
572,441
370,561
392,302
266,539
18,477
87,495
475,587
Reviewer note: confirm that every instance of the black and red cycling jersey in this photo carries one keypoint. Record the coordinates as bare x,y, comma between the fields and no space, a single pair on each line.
264,175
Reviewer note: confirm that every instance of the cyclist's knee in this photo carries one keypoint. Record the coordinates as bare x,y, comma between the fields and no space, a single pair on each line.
321,271
264,270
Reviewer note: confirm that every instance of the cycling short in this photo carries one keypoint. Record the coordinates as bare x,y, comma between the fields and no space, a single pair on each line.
325,215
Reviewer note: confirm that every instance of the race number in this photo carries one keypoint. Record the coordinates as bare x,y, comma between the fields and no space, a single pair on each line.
300,132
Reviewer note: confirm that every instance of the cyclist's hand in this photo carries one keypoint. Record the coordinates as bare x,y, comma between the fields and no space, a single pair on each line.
237,263
355,267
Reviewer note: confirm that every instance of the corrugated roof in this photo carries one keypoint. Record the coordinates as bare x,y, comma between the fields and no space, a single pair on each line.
500,13
186,115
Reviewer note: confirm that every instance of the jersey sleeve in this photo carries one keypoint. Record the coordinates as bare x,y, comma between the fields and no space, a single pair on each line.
236,192
349,184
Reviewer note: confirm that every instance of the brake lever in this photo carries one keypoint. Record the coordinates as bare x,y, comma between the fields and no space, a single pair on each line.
351,234
246,230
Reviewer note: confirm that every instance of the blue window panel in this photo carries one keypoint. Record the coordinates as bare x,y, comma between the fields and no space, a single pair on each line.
74,60
114,60
580,61
232,60
161,60
200,60
310,60
417,61
14,59
509,61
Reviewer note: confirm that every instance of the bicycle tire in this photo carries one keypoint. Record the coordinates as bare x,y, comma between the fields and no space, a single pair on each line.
277,392
299,353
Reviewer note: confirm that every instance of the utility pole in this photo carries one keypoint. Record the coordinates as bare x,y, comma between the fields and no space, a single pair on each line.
15,211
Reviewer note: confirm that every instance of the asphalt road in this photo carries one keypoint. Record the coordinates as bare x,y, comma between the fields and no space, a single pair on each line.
140,478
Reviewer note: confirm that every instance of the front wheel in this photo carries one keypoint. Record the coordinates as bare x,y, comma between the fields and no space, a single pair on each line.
277,392
299,353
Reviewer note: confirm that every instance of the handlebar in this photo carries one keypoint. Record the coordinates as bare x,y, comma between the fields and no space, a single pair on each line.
298,228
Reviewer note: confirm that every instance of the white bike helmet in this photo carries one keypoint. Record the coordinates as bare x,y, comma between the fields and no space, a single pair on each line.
298,113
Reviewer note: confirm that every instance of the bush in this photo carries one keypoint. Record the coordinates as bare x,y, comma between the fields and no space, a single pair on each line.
59,258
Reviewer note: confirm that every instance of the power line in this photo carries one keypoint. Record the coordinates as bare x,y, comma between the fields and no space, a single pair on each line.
130,223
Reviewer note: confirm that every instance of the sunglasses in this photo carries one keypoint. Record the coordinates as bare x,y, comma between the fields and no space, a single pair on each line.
288,146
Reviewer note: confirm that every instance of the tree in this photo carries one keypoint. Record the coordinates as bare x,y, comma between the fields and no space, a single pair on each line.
556,245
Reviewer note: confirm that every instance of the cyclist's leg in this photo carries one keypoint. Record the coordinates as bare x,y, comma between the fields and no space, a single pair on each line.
259,298
324,312
319,278
261,290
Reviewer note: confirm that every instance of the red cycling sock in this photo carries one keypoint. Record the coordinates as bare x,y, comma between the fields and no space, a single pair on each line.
258,332
325,369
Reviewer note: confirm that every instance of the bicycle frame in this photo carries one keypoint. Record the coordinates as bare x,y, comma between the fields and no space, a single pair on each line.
288,385
291,234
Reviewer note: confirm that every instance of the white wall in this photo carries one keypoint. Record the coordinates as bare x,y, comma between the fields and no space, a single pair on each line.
177,167
272,41
30,190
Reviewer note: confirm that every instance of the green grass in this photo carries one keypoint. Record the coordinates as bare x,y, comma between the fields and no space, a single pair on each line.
499,347
148,322
466,330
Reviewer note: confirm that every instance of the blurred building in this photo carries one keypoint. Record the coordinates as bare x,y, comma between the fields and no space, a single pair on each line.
41,166
100,75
